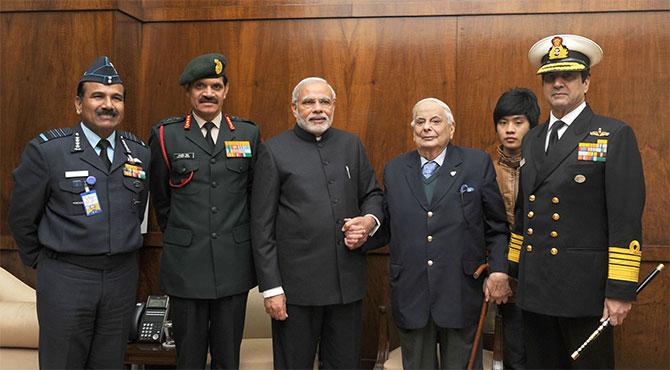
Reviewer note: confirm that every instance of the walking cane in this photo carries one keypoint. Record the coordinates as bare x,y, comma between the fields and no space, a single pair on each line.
480,325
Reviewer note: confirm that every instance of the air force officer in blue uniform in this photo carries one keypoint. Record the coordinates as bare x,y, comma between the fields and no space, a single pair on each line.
75,213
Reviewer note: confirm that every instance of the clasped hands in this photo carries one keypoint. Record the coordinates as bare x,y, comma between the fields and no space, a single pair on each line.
356,230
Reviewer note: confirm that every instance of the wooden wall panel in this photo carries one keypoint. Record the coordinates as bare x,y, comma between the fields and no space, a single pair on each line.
200,10
380,56
125,54
58,5
642,341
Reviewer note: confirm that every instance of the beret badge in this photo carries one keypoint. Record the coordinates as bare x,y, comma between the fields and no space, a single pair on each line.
218,66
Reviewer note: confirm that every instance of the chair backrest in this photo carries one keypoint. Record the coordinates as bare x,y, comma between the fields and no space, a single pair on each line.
14,290
18,314
257,323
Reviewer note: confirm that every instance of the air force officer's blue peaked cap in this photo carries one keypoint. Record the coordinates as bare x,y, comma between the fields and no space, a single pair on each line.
101,71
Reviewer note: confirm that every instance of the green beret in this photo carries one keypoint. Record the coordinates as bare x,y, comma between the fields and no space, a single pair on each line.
205,66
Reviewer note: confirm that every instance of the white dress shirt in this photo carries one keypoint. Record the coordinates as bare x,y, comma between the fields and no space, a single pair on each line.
568,119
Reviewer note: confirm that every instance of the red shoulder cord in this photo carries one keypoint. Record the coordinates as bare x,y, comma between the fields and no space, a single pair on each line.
182,183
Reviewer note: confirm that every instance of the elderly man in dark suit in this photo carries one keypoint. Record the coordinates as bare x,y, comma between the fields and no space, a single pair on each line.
313,183
578,234
444,211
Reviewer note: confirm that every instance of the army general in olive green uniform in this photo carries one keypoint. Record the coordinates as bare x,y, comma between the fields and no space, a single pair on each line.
200,190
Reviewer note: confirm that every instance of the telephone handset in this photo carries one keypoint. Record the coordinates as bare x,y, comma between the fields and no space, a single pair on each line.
149,319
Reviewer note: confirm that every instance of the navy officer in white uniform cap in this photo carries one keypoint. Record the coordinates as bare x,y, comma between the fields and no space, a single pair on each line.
576,242
75,212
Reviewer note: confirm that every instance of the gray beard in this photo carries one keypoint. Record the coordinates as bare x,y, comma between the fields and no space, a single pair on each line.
316,131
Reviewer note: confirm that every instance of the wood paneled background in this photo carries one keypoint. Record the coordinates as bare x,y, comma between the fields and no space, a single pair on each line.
381,56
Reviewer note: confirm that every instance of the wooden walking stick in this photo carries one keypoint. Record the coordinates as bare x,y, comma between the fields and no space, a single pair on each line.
480,325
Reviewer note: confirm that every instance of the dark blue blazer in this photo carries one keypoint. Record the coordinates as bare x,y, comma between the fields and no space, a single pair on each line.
436,246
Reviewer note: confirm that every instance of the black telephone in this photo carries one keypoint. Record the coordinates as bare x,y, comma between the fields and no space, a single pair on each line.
149,319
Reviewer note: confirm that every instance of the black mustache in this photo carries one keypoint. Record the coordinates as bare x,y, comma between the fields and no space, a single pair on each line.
207,99
106,112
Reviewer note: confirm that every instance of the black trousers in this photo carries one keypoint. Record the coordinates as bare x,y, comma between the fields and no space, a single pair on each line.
84,314
514,353
217,324
550,341
336,329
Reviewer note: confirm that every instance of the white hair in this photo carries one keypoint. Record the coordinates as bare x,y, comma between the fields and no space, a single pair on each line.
306,81
439,103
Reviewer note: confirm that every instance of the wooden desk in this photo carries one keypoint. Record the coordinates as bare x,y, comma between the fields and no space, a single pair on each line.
139,355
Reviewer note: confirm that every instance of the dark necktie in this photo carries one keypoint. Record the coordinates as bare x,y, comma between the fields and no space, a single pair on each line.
208,137
103,145
429,168
553,135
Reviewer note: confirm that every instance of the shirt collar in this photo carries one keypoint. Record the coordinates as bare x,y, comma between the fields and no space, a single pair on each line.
568,118
439,159
201,121
93,138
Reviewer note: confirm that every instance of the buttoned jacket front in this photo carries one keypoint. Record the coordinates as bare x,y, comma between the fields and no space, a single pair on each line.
437,246
47,209
303,190
578,218
202,206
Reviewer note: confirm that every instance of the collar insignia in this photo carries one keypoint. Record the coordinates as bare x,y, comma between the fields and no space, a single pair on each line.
187,123
77,143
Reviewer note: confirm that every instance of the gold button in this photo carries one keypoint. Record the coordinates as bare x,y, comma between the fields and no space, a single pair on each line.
429,238
555,217
530,231
531,214
554,251
531,197
553,234
430,214
529,248
430,262
555,200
